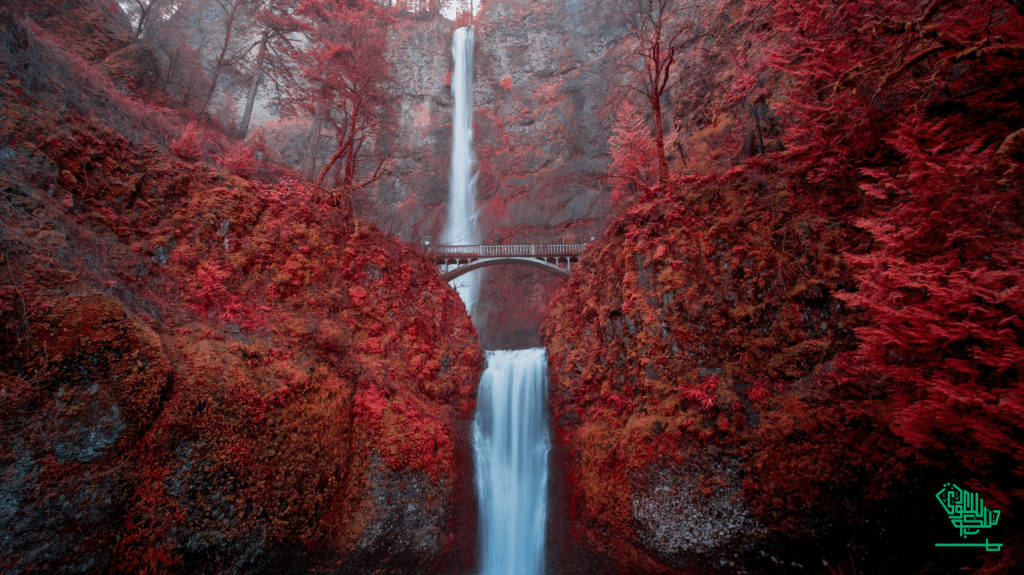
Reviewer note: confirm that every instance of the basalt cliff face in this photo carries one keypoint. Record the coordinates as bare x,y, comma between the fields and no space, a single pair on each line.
203,373
413,204
544,73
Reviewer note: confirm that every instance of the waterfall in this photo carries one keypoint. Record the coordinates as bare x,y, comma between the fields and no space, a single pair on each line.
510,429
511,444
461,227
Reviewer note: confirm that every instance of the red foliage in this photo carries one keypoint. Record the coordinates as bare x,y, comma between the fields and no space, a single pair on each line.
946,307
198,142
209,294
634,154
913,109
262,302
879,63
240,159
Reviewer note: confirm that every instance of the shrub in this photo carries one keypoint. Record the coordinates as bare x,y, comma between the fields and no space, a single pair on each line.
197,142
239,159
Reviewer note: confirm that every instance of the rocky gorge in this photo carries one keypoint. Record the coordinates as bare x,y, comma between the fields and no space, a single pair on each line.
710,410
767,362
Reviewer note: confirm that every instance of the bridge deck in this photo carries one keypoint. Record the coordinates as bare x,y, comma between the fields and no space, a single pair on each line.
509,250
458,260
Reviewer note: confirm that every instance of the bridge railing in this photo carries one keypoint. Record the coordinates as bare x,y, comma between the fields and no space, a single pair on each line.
509,250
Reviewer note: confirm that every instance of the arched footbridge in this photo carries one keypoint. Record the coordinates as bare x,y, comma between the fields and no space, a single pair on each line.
453,261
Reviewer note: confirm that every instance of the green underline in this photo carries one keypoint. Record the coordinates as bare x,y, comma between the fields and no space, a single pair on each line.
988,546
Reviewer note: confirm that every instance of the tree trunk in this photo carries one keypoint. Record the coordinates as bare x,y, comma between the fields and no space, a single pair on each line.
350,162
143,15
330,163
309,172
659,140
346,151
228,25
257,77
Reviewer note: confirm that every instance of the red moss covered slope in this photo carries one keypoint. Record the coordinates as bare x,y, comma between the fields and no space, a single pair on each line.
208,374
690,355
826,332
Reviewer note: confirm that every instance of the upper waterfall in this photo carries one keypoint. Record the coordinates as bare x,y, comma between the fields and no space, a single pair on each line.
461,226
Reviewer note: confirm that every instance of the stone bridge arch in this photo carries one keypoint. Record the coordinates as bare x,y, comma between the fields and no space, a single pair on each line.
454,261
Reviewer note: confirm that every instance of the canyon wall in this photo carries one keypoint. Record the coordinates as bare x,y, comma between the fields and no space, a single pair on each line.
412,204
545,73
756,367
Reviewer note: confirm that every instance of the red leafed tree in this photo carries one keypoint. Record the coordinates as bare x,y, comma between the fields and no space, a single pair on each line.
268,58
912,112
944,291
657,31
347,85
858,68
634,155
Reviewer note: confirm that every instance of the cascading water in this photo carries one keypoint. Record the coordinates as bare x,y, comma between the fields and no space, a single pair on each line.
511,445
510,429
461,228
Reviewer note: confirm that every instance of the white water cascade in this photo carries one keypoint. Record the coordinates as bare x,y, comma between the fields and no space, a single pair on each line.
510,429
511,445
461,227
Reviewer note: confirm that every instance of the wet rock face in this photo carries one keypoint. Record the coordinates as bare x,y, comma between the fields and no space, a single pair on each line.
86,386
683,451
544,75
412,204
406,518
684,522
210,510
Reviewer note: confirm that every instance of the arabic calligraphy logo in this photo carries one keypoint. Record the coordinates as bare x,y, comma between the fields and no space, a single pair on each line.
967,512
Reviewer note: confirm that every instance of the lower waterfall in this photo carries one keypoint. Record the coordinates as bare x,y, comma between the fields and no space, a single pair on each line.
511,444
